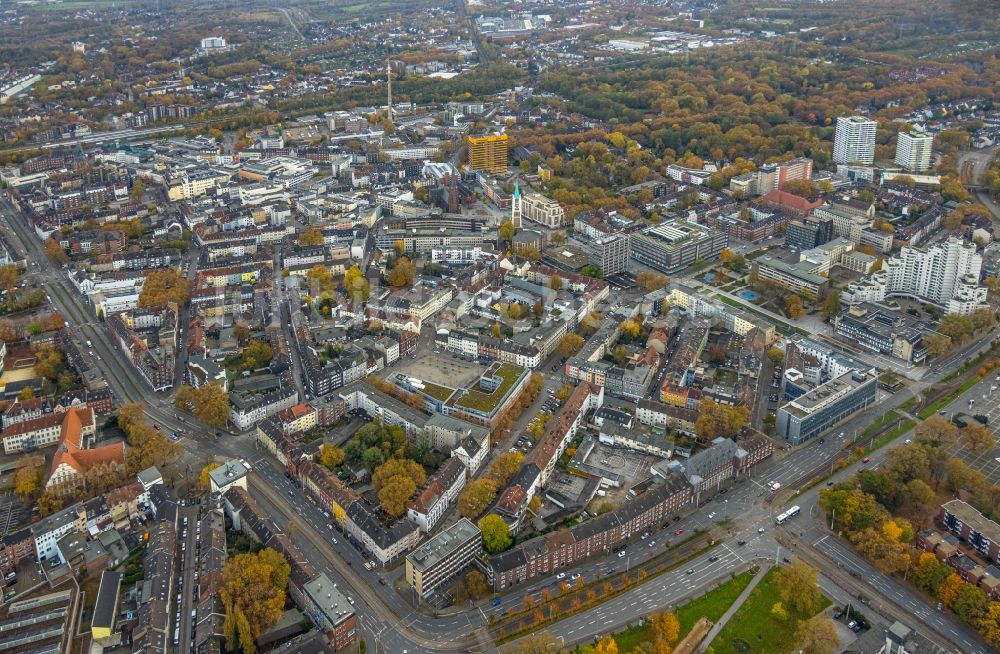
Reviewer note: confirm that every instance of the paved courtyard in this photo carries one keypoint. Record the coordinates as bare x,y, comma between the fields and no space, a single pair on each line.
443,370
632,466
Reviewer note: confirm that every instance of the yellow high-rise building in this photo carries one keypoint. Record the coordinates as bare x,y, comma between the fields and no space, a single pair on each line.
488,153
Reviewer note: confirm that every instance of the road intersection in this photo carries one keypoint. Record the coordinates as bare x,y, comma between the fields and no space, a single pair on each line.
402,628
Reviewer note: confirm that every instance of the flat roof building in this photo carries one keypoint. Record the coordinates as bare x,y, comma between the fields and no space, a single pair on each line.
824,406
488,153
439,559
675,245
102,624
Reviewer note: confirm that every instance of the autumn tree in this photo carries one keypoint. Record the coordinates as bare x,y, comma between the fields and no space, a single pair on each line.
137,191
319,279
209,403
163,286
716,419
253,595
937,430
937,344
570,344
666,631
504,467
949,590
8,277
358,288
403,273
55,252
793,304
817,635
555,282
241,332
606,645
29,478
311,237
395,481
330,456
798,587
976,438
204,481
650,281
506,231
496,534
475,497
831,305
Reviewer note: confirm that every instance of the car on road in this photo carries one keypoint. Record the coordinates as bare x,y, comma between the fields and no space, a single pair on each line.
690,571
575,576
173,437
621,554
866,459
561,575
496,601
652,543
760,530
741,543
679,532
713,559
156,427
645,535
711,516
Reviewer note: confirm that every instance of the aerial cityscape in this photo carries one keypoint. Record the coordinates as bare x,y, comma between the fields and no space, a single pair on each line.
623,327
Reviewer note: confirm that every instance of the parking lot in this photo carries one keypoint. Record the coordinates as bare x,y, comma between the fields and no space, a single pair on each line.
13,513
987,403
444,370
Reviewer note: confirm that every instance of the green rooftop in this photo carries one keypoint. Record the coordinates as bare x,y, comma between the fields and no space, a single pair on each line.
440,393
484,402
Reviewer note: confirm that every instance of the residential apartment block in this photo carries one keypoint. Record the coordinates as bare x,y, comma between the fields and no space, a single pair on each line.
854,141
443,557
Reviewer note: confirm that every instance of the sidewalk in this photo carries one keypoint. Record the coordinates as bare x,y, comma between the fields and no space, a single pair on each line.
718,626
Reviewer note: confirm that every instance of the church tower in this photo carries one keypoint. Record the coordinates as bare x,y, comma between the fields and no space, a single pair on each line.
516,206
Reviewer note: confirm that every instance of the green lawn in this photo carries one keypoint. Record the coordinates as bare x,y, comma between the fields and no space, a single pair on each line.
475,398
754,624
441,393
712,605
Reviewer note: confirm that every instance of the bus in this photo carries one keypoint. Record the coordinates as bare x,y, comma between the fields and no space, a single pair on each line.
787,515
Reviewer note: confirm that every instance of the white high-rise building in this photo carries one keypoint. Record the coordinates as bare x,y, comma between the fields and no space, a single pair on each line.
213,43
945,274
854,141
913,151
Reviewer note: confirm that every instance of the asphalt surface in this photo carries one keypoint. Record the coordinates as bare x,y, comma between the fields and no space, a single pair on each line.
396,626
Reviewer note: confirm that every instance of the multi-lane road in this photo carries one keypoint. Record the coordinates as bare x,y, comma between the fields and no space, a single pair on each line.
399,627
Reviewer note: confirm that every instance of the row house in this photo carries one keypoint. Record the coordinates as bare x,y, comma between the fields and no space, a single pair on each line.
385,542
441,491
946,549
972,527
246,410
564,548
93,242
309,589
561,429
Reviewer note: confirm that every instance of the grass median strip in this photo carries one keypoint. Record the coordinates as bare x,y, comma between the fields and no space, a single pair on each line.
711,605
539,615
